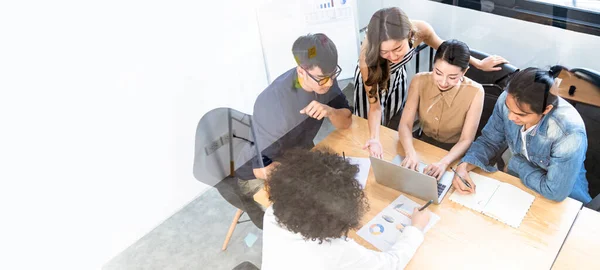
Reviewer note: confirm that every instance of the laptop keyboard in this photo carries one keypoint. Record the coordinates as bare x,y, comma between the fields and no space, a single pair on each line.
441,188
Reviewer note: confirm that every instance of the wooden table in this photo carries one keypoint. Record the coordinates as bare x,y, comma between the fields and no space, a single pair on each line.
582,247
585,92
462,239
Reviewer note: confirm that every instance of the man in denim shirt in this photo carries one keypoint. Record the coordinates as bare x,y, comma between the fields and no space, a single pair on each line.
545,134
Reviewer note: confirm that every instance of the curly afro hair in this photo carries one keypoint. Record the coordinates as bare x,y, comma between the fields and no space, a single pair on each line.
316,194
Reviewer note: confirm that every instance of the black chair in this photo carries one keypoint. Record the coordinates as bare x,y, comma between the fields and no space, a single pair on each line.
591,118
594,204
493,83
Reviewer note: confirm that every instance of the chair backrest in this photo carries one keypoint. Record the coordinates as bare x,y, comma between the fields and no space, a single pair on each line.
493,82
215,152
591,118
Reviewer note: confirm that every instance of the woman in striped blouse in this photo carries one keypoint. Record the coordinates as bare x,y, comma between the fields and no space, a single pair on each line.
380,78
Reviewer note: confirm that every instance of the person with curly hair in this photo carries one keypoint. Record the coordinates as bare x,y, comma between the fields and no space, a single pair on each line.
316,201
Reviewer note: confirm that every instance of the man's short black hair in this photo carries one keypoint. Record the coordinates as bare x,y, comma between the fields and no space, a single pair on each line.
316,194
316,50
532,86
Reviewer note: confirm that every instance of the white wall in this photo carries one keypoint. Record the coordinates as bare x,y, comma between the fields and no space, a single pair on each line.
100,104
99,108
366,9
283,21
522,43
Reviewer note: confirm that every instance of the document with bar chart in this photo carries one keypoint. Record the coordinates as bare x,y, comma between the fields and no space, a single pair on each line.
324,11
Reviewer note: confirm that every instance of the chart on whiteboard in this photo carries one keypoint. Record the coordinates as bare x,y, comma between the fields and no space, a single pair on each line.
382,231
324,11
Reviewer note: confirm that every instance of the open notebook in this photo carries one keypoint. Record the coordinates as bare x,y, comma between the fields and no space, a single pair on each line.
499,200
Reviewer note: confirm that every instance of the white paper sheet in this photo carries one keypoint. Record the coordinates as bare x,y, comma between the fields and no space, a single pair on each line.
498,200
509,204
383,230
485,188
364,165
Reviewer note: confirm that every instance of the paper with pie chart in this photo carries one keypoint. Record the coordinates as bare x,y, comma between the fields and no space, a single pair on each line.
383,230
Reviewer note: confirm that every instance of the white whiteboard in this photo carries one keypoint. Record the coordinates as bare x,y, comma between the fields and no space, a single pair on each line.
282,22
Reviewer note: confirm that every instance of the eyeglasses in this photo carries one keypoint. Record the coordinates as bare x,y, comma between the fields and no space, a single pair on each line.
325,79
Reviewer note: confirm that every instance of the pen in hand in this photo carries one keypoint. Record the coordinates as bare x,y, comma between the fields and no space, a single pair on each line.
425,206
461,179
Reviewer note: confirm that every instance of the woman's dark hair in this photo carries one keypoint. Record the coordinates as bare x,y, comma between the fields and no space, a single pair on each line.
316,195
386,24
454,52
532,86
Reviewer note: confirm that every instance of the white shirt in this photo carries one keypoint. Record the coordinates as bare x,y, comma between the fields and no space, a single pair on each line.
283,249
524,139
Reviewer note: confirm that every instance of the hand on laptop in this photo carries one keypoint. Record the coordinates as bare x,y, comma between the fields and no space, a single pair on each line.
459,185
411,161
436,170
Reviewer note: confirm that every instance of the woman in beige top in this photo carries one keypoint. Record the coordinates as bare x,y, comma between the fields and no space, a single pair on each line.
380,78
449,106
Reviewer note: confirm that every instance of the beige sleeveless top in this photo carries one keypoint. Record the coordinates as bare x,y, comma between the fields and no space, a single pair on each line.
443,114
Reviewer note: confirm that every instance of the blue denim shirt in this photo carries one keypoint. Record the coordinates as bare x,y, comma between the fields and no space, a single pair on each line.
556,149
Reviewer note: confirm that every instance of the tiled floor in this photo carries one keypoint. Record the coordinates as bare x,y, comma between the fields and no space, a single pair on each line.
192,239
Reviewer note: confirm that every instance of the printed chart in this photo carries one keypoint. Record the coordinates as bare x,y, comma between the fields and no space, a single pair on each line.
383,230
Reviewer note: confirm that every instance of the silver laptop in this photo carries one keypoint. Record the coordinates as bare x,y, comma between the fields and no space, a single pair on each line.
418,184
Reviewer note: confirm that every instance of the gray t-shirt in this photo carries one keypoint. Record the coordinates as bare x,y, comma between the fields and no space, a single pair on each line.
277,120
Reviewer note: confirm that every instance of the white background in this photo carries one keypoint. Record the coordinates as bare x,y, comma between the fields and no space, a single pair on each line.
282,21
100,103
99,108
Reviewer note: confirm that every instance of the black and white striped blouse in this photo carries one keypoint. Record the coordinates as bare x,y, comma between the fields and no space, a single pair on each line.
392,101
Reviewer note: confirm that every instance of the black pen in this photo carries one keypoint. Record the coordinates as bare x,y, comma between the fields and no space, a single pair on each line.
344,155
461,179
425,206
